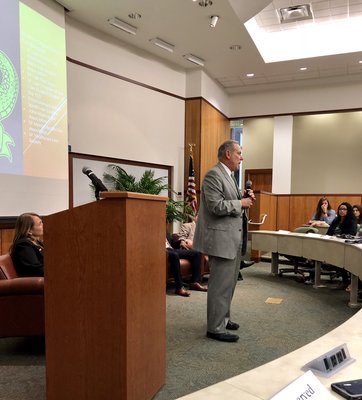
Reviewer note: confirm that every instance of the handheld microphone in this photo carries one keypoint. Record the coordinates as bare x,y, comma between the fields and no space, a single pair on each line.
98,184
248,187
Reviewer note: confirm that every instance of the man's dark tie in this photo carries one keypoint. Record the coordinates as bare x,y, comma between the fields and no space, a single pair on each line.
236,185
244,218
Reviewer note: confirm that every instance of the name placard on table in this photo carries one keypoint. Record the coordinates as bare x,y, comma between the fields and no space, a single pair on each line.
306,386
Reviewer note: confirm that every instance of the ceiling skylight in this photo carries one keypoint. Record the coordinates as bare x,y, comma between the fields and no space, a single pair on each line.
306,40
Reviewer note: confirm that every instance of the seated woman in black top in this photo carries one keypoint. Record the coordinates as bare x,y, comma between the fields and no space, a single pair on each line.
27,248
345,222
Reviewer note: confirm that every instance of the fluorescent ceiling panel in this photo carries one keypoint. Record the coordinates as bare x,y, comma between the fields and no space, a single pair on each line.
307,40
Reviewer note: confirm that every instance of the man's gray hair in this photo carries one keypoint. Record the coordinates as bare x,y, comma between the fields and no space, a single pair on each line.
227,145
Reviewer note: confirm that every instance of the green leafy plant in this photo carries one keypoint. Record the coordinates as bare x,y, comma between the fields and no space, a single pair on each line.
178,211
118,179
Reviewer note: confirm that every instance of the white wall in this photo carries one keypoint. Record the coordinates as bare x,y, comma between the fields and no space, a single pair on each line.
198,84
97,49
299,99
115,118
282,154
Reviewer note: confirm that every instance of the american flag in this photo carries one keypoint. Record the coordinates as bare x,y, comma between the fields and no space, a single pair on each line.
191,186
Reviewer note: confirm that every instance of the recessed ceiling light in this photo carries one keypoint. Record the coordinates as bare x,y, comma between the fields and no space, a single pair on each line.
162,44
235,47
123,26
135,15
195,59
360,61
250,75
303,68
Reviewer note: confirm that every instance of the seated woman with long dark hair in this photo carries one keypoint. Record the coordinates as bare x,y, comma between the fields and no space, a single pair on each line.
323,213
357,211
27,247
345,222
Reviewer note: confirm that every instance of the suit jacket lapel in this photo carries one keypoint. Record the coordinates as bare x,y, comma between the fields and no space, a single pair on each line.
231,180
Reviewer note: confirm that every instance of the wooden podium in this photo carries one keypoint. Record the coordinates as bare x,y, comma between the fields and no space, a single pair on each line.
105,306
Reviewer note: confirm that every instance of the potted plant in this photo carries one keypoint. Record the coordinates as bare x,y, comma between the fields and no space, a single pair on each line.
118,179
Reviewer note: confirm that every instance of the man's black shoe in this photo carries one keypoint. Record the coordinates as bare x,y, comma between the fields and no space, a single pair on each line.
232,326
240,277
246,264
223,337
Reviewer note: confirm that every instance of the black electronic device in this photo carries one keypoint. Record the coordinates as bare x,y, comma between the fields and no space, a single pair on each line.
248,188
349,389
98,184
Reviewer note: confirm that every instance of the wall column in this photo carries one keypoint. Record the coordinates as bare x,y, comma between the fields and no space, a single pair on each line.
282,154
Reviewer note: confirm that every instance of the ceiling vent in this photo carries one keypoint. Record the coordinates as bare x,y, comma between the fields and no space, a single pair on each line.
295,13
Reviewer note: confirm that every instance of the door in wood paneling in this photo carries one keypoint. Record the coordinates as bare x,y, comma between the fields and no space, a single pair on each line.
261,179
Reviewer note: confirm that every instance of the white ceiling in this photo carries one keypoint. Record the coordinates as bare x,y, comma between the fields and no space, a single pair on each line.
185,24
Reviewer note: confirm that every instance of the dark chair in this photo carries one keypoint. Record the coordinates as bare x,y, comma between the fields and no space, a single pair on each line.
300,266
21,302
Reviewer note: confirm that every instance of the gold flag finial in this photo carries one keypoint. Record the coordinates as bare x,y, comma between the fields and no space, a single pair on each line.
191,145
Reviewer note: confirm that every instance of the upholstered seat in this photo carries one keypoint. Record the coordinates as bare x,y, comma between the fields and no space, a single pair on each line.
185,267
21,302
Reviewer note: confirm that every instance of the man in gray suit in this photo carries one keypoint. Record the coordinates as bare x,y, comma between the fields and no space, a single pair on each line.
219,234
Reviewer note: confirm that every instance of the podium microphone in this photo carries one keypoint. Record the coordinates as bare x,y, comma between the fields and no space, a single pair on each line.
98,184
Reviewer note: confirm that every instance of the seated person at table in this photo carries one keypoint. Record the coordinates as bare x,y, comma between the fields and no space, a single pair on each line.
26,250
345,223
323,213
357,211
175,253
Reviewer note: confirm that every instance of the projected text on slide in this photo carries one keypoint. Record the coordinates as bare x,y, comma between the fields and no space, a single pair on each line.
33,115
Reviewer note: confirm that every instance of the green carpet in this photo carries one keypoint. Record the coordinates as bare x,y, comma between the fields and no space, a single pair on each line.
267,331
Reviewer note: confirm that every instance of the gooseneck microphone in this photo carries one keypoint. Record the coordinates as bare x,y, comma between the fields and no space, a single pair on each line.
98,184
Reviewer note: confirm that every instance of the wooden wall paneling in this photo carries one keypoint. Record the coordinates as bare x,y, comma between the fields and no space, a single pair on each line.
271,220
301,209
265,203
6,240
283,212
254,213
336,200
215,129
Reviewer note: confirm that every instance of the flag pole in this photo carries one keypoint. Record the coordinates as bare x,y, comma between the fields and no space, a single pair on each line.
191,198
